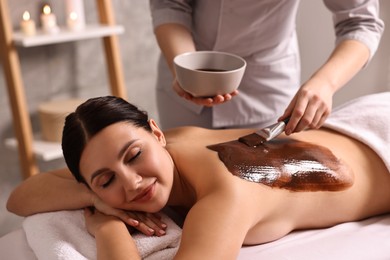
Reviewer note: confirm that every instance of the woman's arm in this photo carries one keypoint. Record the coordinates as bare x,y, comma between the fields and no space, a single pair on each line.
214,228
51,191
113,240
58,190
216,225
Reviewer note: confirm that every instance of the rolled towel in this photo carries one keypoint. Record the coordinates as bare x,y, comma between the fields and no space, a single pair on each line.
63,235
366,119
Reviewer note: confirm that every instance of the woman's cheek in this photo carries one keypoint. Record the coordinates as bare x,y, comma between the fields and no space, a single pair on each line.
112,198
158,162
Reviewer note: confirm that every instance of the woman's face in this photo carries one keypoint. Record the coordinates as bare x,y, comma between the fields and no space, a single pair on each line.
128,167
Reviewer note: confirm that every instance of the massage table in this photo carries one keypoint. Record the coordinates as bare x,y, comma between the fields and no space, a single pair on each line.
366,239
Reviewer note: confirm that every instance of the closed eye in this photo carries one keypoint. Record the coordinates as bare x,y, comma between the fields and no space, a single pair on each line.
108,182
132,159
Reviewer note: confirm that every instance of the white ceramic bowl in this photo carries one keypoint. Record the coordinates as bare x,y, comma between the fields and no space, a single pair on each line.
209,73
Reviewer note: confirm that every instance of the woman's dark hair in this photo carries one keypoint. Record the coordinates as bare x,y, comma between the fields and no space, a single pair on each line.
89,119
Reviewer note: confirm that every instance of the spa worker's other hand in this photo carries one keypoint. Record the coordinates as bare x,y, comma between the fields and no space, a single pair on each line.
208,102
147,223
310,107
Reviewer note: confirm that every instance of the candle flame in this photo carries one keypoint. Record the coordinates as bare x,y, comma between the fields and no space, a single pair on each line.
26,16
46,9
73,16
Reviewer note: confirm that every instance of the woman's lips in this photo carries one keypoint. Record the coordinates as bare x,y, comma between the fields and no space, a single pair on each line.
146,194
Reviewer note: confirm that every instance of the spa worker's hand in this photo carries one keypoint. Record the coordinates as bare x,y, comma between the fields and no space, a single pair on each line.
309,108
175,39
312,103
147,223
207,101
113,240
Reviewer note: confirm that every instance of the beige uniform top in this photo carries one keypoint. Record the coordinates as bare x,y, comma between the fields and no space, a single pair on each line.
263,33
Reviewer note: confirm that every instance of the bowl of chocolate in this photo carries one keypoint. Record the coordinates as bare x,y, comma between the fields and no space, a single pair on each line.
209,73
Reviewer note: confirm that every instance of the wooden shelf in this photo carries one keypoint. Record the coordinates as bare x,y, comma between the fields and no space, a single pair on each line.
43,150
66,35
107,30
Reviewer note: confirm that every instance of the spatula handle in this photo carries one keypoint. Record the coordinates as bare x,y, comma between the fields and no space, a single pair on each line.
286,120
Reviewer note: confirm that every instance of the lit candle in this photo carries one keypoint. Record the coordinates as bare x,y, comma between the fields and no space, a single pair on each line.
27,25
49,20
73,22
75,14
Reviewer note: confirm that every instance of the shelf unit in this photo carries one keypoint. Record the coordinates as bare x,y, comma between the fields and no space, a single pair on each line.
65,35
9,41
43,150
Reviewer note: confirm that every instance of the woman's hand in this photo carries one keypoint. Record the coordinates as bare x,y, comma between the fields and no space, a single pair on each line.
113,241
203,101
147,223
95,220
310,106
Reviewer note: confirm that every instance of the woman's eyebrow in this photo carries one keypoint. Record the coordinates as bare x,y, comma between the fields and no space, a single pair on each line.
125,147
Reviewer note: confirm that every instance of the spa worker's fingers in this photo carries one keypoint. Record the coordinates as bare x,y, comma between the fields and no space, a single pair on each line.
211,101
308,109
203,101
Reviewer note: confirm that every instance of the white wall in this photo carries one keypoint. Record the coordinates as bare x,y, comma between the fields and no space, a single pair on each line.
316,38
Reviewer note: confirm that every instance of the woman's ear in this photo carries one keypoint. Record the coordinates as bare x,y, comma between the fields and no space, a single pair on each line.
157,132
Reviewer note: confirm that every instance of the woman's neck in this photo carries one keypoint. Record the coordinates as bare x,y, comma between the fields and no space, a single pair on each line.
182,193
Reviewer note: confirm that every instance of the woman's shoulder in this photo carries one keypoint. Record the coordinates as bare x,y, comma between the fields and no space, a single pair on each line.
203,135
184,130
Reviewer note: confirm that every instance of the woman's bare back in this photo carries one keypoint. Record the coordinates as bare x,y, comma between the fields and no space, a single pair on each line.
279,210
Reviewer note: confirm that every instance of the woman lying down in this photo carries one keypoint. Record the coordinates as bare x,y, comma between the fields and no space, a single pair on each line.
235,194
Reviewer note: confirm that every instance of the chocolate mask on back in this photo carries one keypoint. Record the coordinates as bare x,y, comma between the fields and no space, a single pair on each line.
287,164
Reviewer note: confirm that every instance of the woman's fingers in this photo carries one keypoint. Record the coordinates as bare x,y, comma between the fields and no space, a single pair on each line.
148,224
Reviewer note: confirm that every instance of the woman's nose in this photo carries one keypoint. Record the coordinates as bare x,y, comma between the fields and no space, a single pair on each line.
131,181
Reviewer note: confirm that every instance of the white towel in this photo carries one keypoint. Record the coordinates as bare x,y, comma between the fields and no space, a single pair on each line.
62,235
366,119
